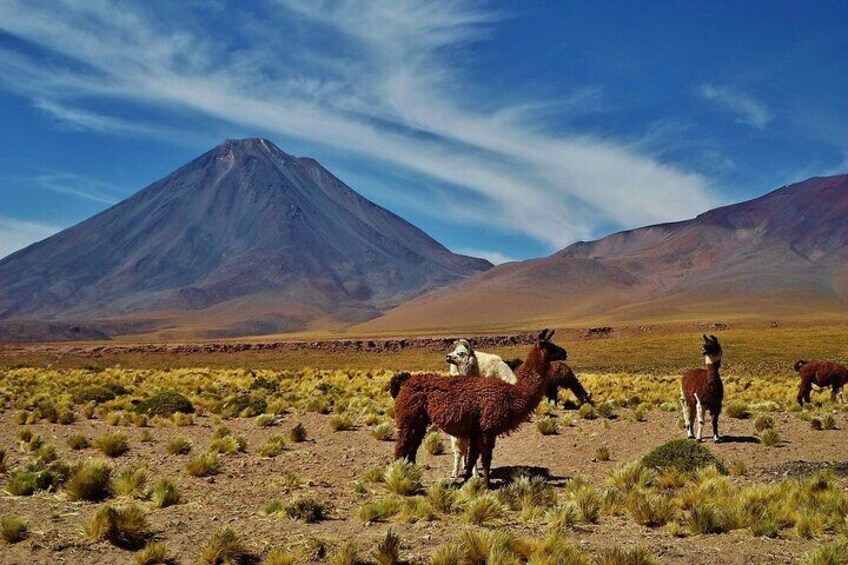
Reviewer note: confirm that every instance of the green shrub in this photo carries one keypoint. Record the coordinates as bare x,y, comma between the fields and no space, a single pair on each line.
165,403
298,433
682,454
244,405
93,393
306,510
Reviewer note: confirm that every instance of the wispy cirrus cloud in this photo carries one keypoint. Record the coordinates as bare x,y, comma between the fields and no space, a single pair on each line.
748,110
77,185
384,80
17,234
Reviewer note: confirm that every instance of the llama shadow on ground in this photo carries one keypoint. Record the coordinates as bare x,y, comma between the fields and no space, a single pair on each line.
508,474
739,439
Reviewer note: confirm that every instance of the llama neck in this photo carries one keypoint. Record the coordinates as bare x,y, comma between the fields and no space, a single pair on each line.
713,368
531,384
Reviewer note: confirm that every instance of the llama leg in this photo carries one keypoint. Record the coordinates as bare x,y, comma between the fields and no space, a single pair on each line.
699,409
488,447
716,437
687,417
473,455
457,457
840,396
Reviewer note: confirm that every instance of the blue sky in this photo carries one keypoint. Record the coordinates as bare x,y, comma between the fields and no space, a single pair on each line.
506,130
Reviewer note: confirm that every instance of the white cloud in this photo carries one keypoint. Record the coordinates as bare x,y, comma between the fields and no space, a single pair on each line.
76,185
17,234
494,257
748,110
388,83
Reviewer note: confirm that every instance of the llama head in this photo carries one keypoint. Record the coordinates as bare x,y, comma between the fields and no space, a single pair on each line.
799,364
711,349
462,356
549,349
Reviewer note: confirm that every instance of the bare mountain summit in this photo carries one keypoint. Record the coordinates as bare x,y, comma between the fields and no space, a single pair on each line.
783,255
245,239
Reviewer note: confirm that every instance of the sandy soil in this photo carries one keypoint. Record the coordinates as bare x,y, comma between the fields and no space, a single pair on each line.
333,461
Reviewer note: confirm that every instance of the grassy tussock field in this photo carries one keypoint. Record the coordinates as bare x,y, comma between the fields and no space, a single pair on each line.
105,459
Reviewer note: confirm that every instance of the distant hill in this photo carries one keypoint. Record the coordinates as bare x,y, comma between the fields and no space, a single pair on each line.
784,254
243,240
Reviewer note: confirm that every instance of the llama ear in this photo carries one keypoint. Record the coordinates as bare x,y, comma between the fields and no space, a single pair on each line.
544,335
467,345
715,339
706,339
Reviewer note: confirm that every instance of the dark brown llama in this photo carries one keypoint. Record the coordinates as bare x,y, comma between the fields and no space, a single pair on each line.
560,376
702,389
478,408
822,374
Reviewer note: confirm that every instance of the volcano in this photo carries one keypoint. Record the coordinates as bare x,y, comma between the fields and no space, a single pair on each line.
243,240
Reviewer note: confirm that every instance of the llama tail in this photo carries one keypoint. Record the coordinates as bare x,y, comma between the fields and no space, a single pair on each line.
397,381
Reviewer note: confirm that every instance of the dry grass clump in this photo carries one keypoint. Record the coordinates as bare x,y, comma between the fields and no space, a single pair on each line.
129,482
33,477
562,518
651,509
384,431
342,422
528,494
387,551
266,420
606,410
228,445
348,554
165,493
770,437
307,510
298,433
273,447
13,529
112,444
93,393
763,422
89,480
279,556
77,442
179,446
602,453
588,503
403,478
737,409
441,497
588,412
834,553
433,443
380,511
223,547
124,526
547,426
483,509
625,556
165,403
204,466
154,553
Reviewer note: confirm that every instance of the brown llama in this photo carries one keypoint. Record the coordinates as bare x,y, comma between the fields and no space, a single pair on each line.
478,408
560,376
822,374
702,389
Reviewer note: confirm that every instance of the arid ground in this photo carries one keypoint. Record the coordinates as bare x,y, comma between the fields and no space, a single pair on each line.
634,378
